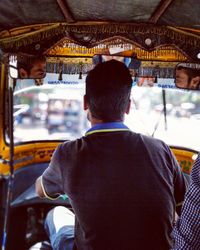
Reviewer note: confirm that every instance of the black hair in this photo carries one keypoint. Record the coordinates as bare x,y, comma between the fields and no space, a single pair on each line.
27,62
108,88
191,72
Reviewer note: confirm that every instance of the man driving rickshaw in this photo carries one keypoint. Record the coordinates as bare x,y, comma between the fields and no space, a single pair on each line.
156,37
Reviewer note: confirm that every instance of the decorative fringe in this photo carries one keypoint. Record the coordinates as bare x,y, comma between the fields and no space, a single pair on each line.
91,35
32,36
111,29
146,70
69,68
66,48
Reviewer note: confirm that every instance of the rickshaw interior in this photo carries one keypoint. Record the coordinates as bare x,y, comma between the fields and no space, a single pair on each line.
155,39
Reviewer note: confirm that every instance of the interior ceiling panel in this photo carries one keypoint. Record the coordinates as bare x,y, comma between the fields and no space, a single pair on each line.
112,10
172,12
182,13
24,12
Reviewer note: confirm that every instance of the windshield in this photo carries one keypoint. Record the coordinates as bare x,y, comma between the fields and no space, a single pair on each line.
180,127
54,111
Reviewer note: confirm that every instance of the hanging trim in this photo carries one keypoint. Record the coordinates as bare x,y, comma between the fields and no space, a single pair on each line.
90,35
110,29
33,36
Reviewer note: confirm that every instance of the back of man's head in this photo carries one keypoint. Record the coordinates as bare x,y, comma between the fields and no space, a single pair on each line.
108,88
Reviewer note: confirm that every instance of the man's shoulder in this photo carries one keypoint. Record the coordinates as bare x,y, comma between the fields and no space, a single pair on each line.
71,144
152,140
148,140
137,138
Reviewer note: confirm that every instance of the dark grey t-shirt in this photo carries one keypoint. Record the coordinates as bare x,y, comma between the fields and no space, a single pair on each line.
123,188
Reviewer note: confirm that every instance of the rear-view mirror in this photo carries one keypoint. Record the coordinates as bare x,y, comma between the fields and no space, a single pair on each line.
150,70
187,76
23,66
131,62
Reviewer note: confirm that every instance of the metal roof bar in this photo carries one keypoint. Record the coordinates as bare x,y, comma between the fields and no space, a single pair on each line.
65,10
159,11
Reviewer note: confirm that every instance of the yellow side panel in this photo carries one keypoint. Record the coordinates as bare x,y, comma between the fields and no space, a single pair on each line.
28,154
2,89
185,158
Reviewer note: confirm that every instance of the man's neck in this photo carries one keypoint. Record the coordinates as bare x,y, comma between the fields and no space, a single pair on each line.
95,121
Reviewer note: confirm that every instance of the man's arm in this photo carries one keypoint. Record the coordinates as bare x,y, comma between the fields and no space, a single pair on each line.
180,183
180,188
38,187
49,185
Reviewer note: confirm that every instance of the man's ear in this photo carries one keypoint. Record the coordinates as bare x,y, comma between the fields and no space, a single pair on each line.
128,107
195,82
85,103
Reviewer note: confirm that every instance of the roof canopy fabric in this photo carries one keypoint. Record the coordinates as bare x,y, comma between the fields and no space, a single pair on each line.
166,12
36,26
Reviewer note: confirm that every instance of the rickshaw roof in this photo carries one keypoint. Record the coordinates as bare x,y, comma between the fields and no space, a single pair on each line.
162,12
36,26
